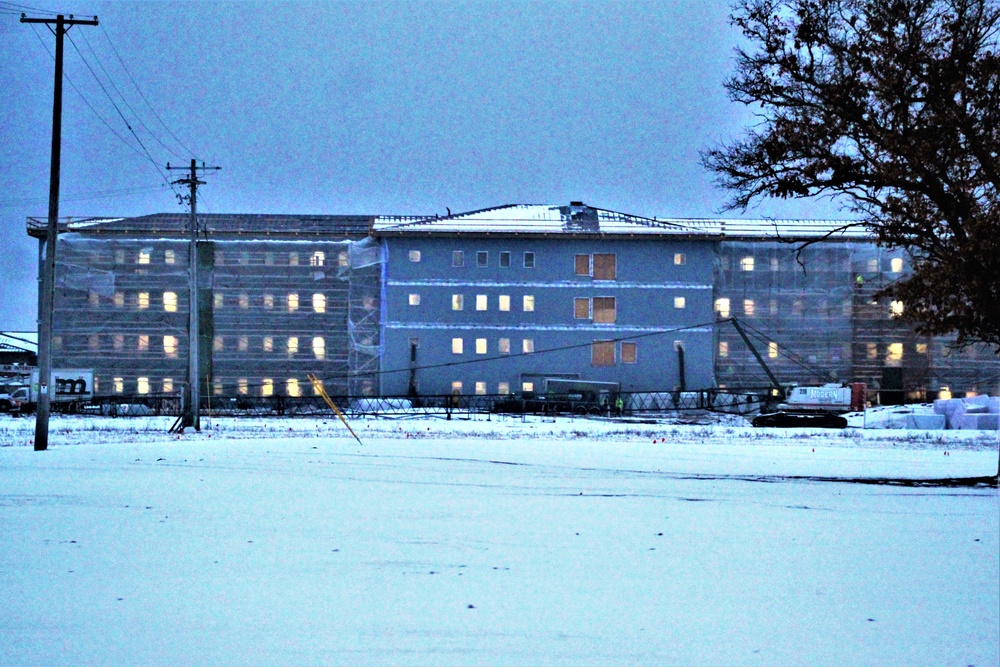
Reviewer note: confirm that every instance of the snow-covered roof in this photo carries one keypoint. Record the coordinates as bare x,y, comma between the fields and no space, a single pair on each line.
18,341
578,218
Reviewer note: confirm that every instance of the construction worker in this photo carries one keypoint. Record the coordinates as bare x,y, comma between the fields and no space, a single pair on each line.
619,405
859,282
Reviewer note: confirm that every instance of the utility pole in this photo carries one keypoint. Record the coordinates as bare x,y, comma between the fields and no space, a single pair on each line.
47,301
192,407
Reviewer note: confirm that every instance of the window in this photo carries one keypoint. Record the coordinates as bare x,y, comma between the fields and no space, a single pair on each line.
480,346
481,302
170,347
119,256
268,259
458,258
629,353
94,342
319,348
748,307
217,300
456,346
143,300
679,302
414,300
93,299
293,302
602,353
414,255
871,350
292,387
319,303
503,346
482,258
722,307
220,258
142,342
679,259
872,266
480,388
504,302
528,345
529,260
581,308
269,301
774,264
895,308
119,385
527,387
244,300
723,348
170,302
503,388
604,309
343,259
921,348
772,350
242,387
605,267
118,342
746,264
529,303
243,343
169,258
218,343
293,259
266,387
168,385
245,258
217,387
293,346
268,344
504,260
773,307
457,302
119,299
581,265
895,352
143,258
456,388
896,264
318,258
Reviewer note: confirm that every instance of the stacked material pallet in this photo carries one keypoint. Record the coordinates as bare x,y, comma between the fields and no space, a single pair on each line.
977,412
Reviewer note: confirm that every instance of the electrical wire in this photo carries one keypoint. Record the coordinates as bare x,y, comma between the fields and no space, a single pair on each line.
14,7
100,194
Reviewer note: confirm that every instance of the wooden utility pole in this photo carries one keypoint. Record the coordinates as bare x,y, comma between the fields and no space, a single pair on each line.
47,300
192,410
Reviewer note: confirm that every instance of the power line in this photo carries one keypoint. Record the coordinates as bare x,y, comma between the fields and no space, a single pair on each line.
13,6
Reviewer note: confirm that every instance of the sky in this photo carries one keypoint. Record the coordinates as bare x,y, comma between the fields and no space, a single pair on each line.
365,108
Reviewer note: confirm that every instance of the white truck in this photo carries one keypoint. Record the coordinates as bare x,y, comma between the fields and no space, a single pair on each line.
73,387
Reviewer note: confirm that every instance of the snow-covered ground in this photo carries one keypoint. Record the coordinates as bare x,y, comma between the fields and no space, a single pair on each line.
494,542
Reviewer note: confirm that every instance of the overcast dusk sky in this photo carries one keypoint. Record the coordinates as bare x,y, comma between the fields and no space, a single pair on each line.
366,108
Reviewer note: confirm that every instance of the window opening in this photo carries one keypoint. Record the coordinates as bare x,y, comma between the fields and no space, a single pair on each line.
602,353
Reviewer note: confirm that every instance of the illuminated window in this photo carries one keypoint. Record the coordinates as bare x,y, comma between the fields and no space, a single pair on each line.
244,300
318,258
629,353
268,343
480,388
293,302
772,350
457,302
458,258
218,344
604,309
119,385
319,347
142,383
343,259
242,387
456,388
482,258
528,345
921,348
267,387
895,308
481,302
118,342
871,350
143,300
414,255
503,388
218,301
896,264
529,303
679,259
243,343
119,299
170,302
504,264
872,266
142,342
722,307
894,352
723,348
217,387
93,299
527,386
456,345
529,260
168,385
503,346
414,300
480,346
581,308
944,393
504,304
605,267
143,258
293,346
319,303
746,264
169,258
602,353
293,259
170,347
748,307
581,265
679,302
292,387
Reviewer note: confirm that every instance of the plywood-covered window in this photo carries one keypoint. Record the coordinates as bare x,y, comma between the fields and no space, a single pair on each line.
604,310
602,353
581,308
605,267
581,265
629,353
